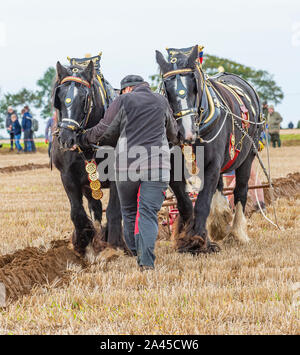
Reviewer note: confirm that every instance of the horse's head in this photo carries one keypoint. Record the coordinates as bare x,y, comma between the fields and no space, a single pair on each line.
181,87
73,99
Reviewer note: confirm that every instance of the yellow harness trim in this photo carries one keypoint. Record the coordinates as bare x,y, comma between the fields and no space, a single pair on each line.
178,71
235,94
211,105
239,100
210,100
241,93
77,80
101,90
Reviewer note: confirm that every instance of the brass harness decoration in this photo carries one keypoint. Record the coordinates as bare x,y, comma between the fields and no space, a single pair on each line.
93,176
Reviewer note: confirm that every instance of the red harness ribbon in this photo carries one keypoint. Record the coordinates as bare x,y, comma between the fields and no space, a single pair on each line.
230,163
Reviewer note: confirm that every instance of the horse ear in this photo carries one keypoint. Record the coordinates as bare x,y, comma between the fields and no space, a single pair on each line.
192,58
163,64
62,71
89,72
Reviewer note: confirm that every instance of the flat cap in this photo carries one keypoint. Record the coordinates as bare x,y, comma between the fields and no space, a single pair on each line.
131,80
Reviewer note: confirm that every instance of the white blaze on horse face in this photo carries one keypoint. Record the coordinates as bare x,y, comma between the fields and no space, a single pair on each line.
187,124
186,121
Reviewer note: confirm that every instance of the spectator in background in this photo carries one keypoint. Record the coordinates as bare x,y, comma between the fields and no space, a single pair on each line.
10,112
33,147
265,109
291,125
17,130
50,126
26,126
274,121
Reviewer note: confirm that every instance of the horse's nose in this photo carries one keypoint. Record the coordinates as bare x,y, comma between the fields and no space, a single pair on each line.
190,137
71,142
66,139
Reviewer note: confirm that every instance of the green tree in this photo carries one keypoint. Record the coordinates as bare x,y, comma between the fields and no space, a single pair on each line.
43,94
262,81
154,81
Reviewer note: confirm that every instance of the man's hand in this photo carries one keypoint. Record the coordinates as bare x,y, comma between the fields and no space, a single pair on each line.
81,142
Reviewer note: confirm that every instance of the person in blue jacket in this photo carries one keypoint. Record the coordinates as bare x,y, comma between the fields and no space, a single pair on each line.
17,130
26,126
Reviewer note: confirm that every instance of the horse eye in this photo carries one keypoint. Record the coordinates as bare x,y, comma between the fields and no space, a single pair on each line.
170,78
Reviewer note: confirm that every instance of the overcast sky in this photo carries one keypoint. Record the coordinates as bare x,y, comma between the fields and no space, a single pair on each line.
262,34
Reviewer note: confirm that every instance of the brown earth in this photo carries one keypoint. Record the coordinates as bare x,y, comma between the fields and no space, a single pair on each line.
288,186
26,268
284,187
25,167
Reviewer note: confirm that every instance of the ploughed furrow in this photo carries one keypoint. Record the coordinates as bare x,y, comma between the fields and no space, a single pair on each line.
26,167
288,187
24,269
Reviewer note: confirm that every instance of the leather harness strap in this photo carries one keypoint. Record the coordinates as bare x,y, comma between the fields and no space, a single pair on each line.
77,80
176,72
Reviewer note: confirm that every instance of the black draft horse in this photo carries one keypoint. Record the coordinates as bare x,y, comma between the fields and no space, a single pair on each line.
201,107
77,99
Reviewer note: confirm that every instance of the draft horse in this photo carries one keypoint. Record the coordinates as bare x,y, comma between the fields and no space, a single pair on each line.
222,114
81,105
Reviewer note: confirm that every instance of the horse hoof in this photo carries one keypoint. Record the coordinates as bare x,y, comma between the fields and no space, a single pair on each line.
98,244
198,245
213,248
78,251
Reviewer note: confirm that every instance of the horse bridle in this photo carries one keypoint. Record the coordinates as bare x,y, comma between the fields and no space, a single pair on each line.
181,90
67,122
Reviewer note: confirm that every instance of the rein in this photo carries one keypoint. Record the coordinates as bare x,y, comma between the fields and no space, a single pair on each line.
76,79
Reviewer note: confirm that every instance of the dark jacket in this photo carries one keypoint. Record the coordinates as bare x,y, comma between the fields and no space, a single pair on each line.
8,121
142,119
26,121
16,128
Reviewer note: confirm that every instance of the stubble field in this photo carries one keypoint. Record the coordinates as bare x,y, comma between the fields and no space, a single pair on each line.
248,289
